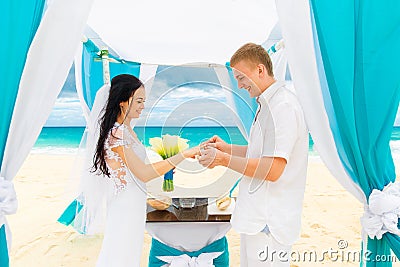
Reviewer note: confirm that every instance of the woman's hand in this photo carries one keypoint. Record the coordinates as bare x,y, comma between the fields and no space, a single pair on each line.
191,152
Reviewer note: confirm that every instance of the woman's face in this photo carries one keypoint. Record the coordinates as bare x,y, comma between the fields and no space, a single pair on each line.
135,104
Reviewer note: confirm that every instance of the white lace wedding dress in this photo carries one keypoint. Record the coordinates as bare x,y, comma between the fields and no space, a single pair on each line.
126,209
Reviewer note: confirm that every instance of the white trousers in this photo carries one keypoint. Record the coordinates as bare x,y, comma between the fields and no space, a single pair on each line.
263,250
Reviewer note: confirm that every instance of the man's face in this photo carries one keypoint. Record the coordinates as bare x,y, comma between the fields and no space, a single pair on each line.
247,76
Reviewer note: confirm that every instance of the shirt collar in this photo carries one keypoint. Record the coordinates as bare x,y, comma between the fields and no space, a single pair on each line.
271,90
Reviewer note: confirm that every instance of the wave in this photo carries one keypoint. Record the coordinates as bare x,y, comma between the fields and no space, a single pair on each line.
55,150
395,148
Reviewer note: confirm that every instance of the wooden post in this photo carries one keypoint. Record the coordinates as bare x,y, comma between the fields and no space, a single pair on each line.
106,65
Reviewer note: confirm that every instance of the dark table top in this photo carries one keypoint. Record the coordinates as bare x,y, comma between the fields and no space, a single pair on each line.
185,210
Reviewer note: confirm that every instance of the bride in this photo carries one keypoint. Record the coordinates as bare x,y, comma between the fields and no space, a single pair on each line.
119,157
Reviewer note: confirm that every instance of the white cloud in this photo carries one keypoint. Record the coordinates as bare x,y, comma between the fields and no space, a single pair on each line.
190,93
195,110
66,112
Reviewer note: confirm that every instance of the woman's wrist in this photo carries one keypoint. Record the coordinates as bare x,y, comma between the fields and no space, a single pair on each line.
185,154
175,160
191,153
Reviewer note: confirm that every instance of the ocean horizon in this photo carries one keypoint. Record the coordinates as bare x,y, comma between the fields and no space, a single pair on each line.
66,140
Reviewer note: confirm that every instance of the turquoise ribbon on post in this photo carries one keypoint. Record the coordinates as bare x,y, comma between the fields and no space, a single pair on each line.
161,249
4,260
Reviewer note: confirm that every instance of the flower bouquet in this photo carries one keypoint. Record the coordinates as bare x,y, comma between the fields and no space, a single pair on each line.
168,146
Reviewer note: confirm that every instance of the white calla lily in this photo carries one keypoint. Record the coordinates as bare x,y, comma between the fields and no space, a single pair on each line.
157,146
182,144
170,143
168,146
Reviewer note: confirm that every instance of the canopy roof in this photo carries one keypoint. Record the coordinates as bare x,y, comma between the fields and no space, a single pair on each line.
203,31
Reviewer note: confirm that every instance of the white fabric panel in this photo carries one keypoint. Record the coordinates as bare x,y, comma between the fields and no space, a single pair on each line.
225,81
177,32
179,235
147,76
8,199
49,60
279,63
8,205
78,82
93,188
295,21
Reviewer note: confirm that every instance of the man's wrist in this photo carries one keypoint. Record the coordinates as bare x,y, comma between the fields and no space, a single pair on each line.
227,148
226,158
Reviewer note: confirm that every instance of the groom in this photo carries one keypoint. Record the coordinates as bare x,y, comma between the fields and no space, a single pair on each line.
274,164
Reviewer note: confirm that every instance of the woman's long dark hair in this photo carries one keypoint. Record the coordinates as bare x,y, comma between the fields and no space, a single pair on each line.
123,86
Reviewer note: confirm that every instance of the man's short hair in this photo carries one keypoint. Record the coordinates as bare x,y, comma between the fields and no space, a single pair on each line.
253,54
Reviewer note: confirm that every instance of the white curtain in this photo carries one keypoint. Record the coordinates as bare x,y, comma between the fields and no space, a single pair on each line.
295,21
225,82
78,81
147,75
279,63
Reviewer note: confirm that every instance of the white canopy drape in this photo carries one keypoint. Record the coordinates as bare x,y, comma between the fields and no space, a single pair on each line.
295,21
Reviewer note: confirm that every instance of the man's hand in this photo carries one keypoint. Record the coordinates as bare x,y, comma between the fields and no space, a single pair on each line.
211,157
218,143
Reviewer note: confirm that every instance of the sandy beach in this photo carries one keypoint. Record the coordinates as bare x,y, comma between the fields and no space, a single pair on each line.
331,220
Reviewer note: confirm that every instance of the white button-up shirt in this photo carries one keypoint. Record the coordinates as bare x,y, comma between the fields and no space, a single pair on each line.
279,130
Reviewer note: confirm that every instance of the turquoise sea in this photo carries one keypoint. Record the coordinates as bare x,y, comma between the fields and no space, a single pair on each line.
65,140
